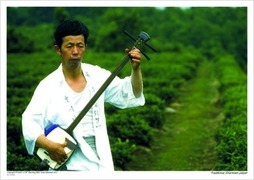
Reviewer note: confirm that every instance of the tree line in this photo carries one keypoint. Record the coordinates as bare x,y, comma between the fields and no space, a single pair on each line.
213,30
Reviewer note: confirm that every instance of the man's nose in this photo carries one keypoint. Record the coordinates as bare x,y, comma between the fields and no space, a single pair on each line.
75,50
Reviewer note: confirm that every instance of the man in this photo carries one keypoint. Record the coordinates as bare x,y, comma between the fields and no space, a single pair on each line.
60,97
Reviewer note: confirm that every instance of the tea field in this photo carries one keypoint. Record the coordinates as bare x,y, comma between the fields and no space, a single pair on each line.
206,124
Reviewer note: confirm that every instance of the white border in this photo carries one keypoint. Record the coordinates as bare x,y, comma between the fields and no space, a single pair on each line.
130,3
136,174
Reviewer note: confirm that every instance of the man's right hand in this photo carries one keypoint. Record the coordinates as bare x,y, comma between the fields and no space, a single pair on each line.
55,150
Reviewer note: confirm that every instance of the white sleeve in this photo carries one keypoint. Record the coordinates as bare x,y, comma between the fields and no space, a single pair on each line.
33,119
120,94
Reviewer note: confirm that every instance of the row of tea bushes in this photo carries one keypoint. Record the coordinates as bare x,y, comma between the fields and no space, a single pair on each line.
168,71
232,135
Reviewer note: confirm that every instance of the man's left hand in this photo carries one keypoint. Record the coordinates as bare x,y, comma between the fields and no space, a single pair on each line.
135,57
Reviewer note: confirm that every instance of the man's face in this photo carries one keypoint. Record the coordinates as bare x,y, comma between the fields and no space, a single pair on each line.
72,51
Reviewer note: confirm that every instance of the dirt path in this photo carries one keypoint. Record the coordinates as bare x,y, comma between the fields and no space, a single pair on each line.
187,140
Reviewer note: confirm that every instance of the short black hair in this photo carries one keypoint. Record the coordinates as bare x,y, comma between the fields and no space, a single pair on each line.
70,27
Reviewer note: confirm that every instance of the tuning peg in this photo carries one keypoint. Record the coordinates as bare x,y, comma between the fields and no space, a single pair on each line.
143,38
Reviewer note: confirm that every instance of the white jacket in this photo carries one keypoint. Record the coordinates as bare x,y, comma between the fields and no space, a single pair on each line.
49,106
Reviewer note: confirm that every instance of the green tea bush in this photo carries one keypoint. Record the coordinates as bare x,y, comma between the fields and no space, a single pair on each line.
170,72
20,162
129,126
232,135
153,111
232,147
18,42
17,157
162,88
121,152
230,73
234,100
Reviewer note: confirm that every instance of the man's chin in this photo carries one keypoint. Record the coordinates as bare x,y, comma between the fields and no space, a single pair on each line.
74,63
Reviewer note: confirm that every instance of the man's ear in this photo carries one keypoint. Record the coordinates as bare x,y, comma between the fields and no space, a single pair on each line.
57,49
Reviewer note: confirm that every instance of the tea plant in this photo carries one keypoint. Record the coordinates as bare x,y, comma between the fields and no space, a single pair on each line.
232,136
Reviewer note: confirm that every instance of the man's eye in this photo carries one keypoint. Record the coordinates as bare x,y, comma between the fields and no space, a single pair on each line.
81,45
69,46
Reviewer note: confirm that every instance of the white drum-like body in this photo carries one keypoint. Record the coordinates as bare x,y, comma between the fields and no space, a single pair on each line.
57,135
